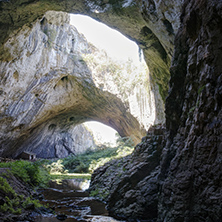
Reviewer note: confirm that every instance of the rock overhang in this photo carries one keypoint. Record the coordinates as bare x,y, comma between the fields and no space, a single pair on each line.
131,21
49,83
129,17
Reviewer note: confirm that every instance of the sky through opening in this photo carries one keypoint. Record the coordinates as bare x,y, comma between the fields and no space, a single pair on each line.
103,37
118,47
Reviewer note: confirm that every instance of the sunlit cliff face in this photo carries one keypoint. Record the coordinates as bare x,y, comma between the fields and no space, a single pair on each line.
32,108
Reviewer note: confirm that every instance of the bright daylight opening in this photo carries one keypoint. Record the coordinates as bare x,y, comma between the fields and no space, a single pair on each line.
102,134
103,37
119,48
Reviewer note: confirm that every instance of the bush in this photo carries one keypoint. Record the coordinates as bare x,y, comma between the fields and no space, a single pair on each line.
5,188
13,202
29,172
56,167
92,159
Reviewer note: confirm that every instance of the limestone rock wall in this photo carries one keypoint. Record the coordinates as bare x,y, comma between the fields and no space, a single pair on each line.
52,79
36,85
51,141
129,81
152,24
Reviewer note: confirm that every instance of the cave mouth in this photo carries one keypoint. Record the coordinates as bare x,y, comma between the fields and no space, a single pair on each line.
103,135
121,48
75,82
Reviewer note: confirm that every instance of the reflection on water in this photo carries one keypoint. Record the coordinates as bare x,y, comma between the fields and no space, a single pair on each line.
70,184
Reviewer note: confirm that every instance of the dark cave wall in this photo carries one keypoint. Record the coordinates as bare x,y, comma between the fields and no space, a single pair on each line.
192,167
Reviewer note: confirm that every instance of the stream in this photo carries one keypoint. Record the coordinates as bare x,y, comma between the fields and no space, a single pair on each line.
71,203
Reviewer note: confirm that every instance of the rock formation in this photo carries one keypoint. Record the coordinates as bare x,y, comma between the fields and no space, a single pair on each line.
57,80
191,167
152,24
130,185
187,182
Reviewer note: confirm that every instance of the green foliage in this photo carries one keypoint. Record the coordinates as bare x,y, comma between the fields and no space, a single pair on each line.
43,175
125,142
124,75
31,173
102,194
56,167
92,159
6,188
29,201
11,205
16,204
94,193
13,202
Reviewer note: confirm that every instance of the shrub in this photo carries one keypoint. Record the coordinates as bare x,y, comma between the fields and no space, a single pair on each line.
92,159
29,172
6,188
13,202
56,167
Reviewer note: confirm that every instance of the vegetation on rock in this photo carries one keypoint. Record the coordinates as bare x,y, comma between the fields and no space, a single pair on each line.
17,179
31,173
91,159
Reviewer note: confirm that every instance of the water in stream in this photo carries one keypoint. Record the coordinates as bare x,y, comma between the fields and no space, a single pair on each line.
71,203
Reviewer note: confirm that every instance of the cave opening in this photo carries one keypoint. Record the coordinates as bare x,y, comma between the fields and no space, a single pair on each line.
102,134
71,78
63,81
175,174
120,49
124,75
66,86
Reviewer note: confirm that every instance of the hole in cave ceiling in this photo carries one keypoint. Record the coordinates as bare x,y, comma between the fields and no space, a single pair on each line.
113,42
116,45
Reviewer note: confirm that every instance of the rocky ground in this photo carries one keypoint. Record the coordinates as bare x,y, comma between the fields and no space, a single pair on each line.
63,201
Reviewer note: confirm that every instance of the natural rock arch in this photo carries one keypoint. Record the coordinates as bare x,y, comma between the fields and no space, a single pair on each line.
50,86
153,31
157,53
187,185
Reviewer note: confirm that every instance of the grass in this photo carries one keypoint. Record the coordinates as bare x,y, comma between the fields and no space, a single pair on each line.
37,174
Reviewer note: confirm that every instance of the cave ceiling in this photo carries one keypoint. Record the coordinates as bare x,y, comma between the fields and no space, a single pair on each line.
151,24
